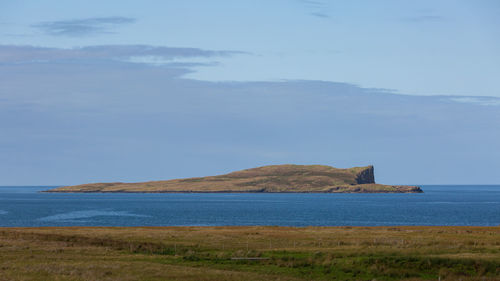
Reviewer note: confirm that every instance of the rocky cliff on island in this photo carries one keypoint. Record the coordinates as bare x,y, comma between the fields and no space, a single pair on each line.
275,178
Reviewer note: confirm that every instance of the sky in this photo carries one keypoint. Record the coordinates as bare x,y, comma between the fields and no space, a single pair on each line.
96,91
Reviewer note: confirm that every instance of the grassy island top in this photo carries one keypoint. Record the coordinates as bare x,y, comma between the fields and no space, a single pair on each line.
274,178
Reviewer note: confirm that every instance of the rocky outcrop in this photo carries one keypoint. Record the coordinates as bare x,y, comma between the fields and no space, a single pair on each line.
366,176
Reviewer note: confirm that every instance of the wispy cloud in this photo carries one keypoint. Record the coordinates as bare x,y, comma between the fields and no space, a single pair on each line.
82,27
487,101
10,54
313,3
320,15
318,8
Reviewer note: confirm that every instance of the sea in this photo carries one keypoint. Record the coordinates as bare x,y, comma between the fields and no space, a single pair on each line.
472,205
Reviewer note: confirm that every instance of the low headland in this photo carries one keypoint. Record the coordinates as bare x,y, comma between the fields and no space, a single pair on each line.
274,178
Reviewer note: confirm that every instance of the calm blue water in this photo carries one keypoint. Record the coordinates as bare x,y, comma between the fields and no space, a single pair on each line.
439,205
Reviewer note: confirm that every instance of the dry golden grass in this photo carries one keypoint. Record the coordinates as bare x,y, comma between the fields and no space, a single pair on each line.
286,253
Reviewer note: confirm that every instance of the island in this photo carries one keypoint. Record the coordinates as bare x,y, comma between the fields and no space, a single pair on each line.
287,178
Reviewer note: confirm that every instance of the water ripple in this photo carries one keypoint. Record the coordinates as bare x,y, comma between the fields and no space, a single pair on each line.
89,214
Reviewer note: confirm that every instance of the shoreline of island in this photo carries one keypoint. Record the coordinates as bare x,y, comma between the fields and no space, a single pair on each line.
236,192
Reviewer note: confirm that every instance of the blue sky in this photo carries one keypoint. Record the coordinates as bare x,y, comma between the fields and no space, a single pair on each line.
143,90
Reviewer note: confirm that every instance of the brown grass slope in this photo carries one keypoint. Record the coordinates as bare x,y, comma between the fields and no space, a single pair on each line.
275,178
410,253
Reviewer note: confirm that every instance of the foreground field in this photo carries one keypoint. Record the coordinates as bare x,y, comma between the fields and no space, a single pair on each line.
250,253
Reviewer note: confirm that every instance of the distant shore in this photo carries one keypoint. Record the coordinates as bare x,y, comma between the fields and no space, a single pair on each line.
240,192
286,178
